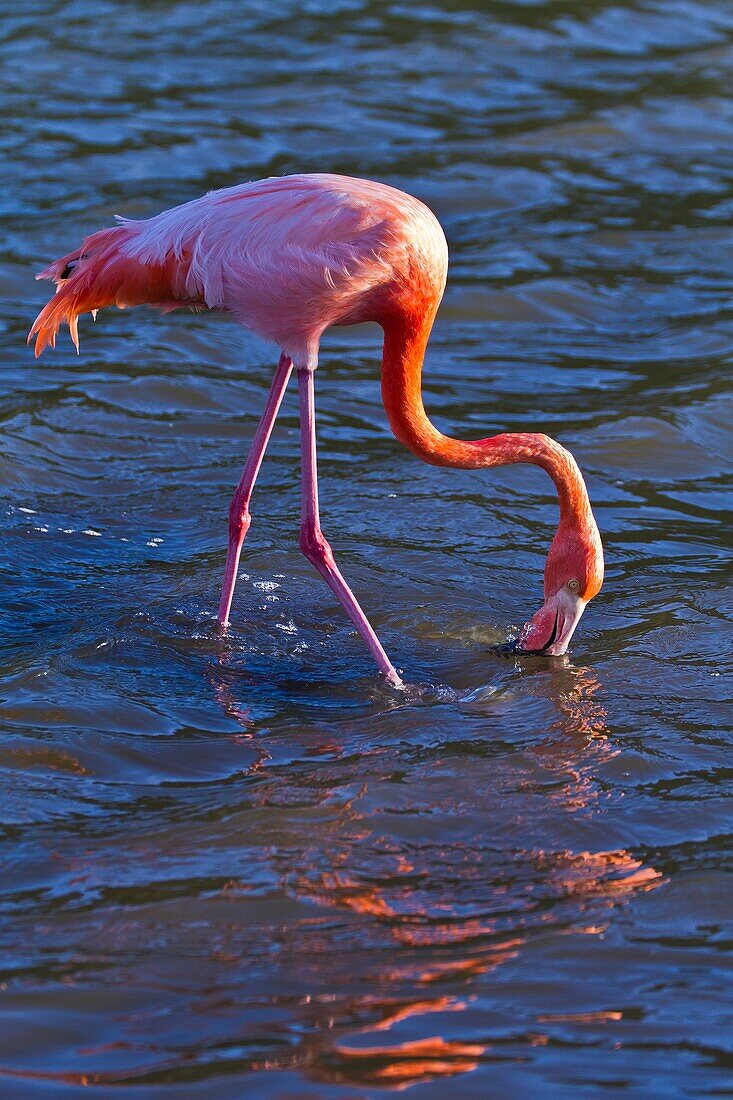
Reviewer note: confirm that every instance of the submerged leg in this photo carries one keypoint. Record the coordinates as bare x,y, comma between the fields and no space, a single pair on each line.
239,517
312,540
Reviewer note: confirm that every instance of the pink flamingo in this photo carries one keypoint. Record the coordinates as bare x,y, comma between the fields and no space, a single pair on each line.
289,257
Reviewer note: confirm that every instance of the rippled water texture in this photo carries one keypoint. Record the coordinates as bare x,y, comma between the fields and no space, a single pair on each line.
243,866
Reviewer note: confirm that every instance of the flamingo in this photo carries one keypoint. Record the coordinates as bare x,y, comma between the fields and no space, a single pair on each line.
288,257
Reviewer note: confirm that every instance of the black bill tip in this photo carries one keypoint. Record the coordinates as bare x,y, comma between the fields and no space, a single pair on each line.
513,649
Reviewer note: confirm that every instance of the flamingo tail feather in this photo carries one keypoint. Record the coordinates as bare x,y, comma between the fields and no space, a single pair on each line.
101,274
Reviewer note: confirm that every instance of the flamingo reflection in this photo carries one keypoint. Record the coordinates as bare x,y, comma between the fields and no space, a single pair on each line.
473,924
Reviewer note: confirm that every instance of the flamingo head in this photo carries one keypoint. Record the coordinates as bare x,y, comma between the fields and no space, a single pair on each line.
573,576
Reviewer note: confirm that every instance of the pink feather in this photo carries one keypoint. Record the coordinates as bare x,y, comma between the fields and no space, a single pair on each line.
287,257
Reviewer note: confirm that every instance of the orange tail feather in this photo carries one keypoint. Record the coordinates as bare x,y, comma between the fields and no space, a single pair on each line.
99,274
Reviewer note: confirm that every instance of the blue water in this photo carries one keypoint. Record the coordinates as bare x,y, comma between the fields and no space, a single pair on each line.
243,866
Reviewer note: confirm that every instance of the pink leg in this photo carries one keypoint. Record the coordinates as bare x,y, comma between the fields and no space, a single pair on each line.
239,517
312,540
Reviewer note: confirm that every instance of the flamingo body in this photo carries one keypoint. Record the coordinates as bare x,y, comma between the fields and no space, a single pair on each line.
289,257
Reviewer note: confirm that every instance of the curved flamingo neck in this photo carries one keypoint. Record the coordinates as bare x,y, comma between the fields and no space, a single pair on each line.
405,340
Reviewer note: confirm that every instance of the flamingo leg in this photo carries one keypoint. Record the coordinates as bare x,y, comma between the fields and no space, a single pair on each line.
239,517
313,542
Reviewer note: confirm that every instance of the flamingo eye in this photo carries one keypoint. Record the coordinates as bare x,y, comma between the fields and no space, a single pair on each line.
573,585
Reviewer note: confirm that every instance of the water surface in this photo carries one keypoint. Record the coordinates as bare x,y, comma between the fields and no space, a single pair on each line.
244,866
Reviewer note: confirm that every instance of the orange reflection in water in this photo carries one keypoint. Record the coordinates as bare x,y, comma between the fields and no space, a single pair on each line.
405,1064
439,945
434,942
